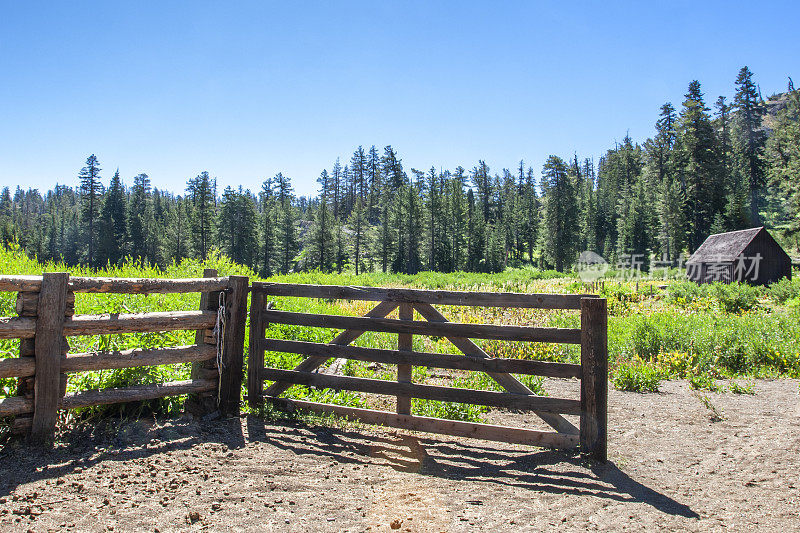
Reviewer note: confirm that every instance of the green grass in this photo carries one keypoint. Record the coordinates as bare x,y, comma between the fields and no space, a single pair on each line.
682,332
637,376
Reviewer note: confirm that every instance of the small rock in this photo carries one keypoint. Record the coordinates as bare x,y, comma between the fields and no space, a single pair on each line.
396,524
193,517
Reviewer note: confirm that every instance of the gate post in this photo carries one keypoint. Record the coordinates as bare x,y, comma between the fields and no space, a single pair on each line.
405,341
48,345
255,357
205,402
594,382
230,384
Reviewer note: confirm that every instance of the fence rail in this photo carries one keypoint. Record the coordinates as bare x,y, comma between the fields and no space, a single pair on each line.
591,407
45,305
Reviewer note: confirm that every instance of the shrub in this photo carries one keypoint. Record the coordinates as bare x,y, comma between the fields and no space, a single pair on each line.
637,376
678,364
748,388
784,290
736,297
704,382
686,292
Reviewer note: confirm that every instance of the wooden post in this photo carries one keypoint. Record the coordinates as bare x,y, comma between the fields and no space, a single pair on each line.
22,423
230,386
594,383
405,341
205,402
48,345
255,357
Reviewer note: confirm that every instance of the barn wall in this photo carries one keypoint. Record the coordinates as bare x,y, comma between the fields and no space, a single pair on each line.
774,265
700,272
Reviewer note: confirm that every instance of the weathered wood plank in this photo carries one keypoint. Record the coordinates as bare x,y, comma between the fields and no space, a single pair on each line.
28,303
429,392
139,323
15,405
440,426
255,357
442,329
342,339
136,393
10,283
118,285
48,345
17,367
85,362
594,385
405,342
433,360
508,382
12,327
230,383
436,297
147,285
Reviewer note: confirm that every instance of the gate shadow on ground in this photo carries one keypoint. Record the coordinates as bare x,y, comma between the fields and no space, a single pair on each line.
543,471
22,463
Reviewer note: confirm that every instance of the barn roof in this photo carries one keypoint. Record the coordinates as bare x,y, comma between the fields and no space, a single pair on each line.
724,247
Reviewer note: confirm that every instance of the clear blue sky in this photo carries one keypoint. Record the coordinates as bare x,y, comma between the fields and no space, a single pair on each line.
245,90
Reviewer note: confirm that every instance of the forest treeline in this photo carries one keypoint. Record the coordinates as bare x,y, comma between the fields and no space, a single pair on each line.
704,171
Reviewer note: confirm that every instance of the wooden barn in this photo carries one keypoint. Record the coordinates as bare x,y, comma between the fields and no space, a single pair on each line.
748,256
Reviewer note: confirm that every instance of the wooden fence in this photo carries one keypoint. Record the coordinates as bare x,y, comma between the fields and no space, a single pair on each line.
45,308
593,370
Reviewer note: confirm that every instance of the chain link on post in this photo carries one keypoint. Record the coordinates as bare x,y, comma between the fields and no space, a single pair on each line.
219,335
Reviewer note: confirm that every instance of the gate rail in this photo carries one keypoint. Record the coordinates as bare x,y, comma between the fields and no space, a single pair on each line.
591,435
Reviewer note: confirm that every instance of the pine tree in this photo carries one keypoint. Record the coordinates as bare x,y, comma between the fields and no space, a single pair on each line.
237,226
457,213
268,217
336,188
476,233
357,224
749,140
287,233
696,166
114,223
635,225
782,157
6,218
374,183
559,231
358,170
202,192
321,239
140,218
177,228
91,193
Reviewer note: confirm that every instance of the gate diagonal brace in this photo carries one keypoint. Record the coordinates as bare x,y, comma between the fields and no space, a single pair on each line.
342,339
507,381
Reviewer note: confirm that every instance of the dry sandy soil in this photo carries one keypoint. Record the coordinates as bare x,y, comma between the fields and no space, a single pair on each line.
671,467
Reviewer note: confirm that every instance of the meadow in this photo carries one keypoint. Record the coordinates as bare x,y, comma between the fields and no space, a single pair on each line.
718,337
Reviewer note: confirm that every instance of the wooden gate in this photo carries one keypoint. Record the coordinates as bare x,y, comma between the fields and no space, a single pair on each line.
593,370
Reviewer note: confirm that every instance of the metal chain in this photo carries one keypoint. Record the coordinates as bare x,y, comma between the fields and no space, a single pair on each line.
219,335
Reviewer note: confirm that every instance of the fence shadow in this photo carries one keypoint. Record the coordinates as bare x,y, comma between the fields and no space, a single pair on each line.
555,472
83,448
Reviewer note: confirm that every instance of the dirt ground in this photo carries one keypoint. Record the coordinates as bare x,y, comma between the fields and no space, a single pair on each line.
671,467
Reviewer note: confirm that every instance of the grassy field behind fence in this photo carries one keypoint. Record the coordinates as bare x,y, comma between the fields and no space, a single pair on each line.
657,329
